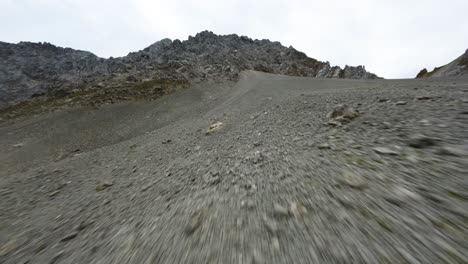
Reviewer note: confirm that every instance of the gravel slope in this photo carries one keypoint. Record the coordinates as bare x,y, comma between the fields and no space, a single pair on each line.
277,181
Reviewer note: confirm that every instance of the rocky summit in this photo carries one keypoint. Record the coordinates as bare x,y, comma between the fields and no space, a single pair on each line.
30,70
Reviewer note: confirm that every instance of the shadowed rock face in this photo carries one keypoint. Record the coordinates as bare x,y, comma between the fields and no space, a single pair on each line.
457,67
33,69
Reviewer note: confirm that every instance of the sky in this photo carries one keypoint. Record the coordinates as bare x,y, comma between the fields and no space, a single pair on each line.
392,38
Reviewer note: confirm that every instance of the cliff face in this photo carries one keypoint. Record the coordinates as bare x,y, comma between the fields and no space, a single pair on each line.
457,67
35,69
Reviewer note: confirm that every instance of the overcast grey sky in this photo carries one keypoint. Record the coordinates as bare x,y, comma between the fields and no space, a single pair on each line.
392,38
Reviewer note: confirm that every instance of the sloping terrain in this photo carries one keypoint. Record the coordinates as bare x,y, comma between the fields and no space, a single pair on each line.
31,71
255,171
457,67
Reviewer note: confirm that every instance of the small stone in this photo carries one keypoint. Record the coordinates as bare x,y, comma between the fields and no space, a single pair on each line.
214,127
103,185
324,146
333,123
385,151
424,122
399,195
270,224
52,194
239,222
456,151
212,178
19,145
146,187
275,243
257,258
56,257
280,211
249,204
386,125
195,222
421,141
8,248
70,236
383,100
401,103
354,180
422,98
297,210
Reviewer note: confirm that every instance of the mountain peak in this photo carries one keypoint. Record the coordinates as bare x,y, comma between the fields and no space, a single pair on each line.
42,68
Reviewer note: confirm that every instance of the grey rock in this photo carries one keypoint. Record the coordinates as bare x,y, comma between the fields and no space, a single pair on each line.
453,150
297,210
401,103
195,221
270,224
399,195
324,146
280,211
104,185
69,236
353,180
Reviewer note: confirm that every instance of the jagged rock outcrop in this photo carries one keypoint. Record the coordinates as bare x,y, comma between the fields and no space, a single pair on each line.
457,67
33,69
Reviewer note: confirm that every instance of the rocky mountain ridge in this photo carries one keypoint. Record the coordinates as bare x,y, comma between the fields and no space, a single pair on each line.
457,67
44,70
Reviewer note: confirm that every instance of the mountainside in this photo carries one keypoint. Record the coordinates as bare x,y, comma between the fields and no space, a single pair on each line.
455,68
42,69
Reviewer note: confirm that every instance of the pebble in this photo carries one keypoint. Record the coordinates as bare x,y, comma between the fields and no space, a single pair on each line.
354,180
52,194
275,243
280,211
19,145
297,210
385,151
249,204
70,236
324,146
56,257
195,222
399,195
456,151
401,103
214,127
104,185
422,98
270,224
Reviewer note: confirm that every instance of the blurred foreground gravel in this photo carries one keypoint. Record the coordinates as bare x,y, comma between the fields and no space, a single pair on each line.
271,169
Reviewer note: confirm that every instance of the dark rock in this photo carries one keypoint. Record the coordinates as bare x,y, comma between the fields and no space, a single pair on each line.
421,141
70,236
422,73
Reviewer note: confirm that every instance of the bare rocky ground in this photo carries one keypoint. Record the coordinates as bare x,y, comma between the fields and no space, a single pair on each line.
252,172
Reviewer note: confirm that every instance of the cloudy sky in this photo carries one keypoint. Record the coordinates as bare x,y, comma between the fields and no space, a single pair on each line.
392,38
